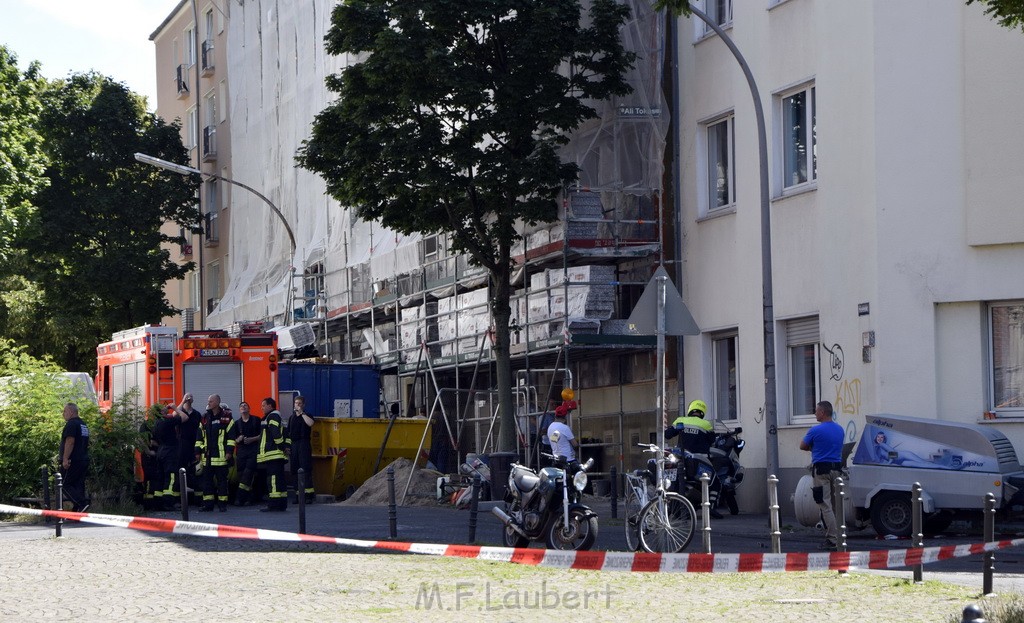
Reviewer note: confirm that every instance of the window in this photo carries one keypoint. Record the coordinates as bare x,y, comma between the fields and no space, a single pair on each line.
1006,328
223,97
804,385
189,49
212,203
191,129
721,181
723,361
799,137
720,12
212,286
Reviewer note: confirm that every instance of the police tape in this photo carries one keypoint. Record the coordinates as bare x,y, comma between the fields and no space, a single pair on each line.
590,560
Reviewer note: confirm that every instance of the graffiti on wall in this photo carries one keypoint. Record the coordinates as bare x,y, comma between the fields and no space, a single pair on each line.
847,403
835,363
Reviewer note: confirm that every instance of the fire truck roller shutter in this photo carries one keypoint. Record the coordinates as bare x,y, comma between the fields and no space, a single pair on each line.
204,379
127,376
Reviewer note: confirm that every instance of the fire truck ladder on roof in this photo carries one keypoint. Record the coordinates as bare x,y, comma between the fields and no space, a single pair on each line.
164,348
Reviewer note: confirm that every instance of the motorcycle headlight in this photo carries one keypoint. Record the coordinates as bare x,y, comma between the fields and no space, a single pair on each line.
580,481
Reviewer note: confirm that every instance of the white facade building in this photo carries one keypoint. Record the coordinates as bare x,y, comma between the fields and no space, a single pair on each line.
896,148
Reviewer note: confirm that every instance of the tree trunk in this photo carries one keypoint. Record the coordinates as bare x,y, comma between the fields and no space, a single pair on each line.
501,313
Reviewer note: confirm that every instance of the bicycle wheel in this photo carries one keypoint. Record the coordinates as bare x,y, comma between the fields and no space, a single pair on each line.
632,510
666,524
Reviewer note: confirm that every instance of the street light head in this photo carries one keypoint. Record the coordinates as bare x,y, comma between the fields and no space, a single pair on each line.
180,169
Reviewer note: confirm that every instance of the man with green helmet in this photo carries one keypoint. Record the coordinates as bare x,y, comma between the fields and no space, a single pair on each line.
696,437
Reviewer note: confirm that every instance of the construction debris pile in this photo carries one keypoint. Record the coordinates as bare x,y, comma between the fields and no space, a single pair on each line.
422,490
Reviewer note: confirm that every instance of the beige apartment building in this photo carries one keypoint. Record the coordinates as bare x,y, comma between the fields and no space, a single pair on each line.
191,68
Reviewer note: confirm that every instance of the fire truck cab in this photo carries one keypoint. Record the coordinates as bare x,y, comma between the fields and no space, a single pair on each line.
238,364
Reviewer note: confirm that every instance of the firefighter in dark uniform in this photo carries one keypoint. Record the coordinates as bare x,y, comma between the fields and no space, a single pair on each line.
247,431
215,448
188,435
147,453
300,427
271,457
165,434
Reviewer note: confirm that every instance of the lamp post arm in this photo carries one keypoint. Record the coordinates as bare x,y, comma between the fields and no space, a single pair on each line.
278,213
768,318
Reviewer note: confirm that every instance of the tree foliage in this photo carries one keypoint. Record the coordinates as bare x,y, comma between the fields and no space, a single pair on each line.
97,265
451,119
1009,13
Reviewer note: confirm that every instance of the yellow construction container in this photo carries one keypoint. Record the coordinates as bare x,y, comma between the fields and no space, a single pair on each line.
345,449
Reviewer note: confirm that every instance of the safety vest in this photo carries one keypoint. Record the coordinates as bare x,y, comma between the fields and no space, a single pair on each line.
216,439
272,439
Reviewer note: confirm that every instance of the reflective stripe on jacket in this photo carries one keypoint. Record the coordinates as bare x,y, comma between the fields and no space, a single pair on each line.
272,439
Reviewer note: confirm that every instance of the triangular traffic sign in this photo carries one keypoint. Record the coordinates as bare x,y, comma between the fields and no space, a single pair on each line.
678,320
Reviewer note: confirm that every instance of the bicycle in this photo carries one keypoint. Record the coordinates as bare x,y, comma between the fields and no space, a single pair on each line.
665,520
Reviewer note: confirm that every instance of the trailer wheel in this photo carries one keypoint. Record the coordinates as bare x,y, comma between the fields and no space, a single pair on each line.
891,514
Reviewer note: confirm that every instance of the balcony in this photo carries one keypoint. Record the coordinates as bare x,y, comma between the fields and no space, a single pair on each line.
181,80
207,57
211,233
209,143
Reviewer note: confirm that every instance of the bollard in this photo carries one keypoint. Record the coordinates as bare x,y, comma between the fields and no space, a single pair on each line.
773,514
392,512
183,485
60,502
917,527
474,507
300,493
990,535
839,510
45,474
705,509
973,614
614,476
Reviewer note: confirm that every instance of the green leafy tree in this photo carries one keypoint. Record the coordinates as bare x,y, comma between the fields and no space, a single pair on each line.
451,119
1009,13
22,161
95,241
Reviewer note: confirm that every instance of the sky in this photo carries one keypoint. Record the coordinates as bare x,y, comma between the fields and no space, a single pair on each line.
109,36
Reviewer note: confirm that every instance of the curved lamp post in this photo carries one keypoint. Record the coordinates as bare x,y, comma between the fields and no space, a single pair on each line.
181,169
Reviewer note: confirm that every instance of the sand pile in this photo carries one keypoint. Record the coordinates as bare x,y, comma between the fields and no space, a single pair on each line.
422,490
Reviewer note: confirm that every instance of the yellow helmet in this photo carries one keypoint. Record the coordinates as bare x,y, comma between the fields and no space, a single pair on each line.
697,405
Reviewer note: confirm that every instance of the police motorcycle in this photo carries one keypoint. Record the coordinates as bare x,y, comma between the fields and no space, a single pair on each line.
721,464
547,505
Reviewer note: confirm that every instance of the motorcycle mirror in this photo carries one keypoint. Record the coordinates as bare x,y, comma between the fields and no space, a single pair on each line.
738,430
588,464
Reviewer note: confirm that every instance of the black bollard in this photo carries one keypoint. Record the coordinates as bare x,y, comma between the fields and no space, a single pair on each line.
614,476
474,506
183,484
989,558
45,475
300,493
60,502
392,512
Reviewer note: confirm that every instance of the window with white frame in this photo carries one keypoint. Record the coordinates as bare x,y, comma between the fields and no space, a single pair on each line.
719,11
724,359
189,47
720,150
1006,331
802,338
191,128
799,136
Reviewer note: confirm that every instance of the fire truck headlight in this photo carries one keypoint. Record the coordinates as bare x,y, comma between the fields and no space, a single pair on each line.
273,367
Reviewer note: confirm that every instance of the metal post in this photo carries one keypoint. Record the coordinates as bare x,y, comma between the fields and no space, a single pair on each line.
392,512
613,475
973,614
183,486
917,527
773,513
705,509
60,502
839,509
990,536
300,493
474,507
45,476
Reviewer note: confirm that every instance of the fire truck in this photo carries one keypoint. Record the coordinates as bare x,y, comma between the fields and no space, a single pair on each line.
238,364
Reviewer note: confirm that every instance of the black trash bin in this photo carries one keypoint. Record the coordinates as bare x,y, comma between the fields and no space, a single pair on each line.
500,464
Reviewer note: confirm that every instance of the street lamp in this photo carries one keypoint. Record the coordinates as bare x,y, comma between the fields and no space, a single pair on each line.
181,169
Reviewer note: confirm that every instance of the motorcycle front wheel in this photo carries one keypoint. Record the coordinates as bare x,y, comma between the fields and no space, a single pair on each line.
666,524
579,534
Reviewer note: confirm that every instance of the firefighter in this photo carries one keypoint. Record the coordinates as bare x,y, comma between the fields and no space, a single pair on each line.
165,434
272,447
300,427
147,448
215,448
190,419
247,429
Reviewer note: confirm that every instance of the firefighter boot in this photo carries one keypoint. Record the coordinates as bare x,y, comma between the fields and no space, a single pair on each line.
241,497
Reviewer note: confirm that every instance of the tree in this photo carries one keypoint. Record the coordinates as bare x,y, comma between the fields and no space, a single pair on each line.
451,119
95,240
22,161
1009,13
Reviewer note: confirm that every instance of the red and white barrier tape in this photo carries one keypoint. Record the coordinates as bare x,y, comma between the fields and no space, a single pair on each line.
594,561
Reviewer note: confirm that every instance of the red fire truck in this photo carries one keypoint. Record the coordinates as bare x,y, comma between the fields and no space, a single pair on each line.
238,364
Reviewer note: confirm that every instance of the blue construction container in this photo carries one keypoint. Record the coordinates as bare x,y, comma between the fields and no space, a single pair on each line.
333,389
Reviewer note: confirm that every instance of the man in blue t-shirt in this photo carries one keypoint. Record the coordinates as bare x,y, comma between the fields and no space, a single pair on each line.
825,443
